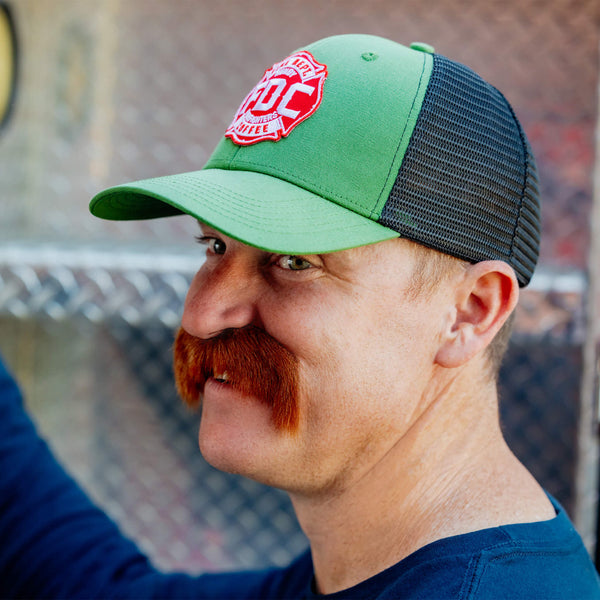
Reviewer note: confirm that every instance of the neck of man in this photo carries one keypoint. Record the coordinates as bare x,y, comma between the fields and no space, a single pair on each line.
450,473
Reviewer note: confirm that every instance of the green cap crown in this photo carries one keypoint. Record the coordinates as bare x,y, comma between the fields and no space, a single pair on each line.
356,139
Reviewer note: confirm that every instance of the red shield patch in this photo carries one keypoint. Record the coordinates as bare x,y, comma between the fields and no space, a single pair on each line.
288,93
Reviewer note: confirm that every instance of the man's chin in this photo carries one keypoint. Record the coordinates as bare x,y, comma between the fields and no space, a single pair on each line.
234,438
249,445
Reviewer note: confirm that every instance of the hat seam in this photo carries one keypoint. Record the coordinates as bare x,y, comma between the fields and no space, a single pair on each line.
525,178
237,202
323,192
377,214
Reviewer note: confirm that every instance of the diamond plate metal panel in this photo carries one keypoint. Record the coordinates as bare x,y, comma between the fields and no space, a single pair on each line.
61,282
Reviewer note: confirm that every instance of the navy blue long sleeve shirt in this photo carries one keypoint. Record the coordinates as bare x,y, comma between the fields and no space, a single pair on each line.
55,543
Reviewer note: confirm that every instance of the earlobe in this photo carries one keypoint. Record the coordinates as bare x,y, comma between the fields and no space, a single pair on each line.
484,299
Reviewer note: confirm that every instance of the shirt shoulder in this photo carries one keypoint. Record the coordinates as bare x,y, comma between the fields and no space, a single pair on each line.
533,560
545,559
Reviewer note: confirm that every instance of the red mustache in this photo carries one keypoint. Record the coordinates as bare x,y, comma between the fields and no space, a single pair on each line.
256,365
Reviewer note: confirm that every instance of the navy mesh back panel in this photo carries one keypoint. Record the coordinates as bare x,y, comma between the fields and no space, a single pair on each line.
465,187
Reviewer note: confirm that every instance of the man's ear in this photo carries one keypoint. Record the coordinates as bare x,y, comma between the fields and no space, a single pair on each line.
483,300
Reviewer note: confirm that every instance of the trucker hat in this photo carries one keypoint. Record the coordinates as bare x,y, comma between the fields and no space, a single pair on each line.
353,140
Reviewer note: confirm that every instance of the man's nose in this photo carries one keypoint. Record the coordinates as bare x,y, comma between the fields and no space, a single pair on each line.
219,299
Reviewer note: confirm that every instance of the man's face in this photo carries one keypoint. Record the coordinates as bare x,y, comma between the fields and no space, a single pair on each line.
364,348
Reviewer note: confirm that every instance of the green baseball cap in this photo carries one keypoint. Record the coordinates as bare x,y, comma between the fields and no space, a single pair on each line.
353,140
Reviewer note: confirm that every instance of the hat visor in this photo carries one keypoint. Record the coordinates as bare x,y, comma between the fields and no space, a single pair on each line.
256,209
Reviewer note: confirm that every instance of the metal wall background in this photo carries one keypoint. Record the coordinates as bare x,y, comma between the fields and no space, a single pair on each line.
111,91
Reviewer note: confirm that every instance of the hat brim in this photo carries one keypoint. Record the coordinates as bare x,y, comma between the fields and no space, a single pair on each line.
256,209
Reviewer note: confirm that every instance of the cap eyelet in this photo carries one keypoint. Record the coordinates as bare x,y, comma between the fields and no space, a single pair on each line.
369,56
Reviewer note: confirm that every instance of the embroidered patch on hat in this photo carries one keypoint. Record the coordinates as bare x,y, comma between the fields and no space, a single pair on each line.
288,93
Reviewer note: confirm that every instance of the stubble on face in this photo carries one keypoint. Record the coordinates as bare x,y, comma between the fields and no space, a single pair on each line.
249,360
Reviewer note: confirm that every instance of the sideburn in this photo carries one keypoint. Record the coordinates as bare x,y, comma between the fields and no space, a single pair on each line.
256,365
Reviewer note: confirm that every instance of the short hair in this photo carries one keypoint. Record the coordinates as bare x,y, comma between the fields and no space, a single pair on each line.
432,268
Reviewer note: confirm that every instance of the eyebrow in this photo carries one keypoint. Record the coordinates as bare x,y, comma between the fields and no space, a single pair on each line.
202,225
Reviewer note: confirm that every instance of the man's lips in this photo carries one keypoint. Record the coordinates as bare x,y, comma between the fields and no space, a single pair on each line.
221,377
216,389
248,361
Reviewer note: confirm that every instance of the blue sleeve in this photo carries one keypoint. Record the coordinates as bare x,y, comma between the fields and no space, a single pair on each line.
54,543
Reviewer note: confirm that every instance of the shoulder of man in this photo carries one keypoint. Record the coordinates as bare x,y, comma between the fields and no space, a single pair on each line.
545,559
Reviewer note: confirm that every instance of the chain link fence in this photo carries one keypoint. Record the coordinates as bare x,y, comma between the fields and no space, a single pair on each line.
110,91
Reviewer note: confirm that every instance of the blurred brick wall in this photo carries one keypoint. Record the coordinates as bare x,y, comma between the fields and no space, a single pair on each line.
118,90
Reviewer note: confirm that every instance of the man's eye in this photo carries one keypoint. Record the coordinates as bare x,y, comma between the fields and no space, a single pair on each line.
213,245
294,263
